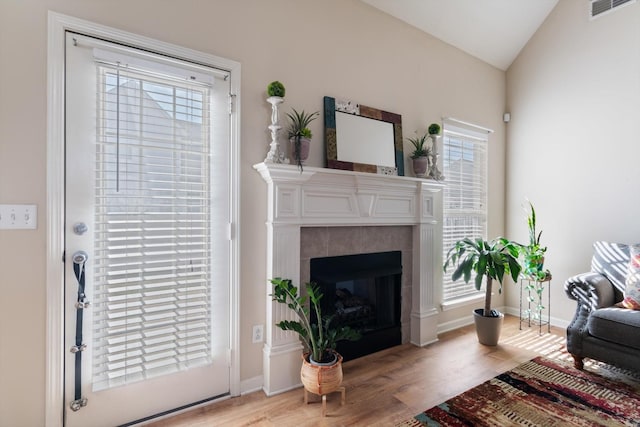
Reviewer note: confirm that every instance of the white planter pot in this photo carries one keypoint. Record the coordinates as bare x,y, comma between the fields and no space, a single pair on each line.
487,328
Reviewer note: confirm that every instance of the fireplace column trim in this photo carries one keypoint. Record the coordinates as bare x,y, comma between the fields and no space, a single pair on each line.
282,349
319,197
426,267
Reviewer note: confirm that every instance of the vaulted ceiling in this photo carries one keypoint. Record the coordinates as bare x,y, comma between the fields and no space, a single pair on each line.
493,30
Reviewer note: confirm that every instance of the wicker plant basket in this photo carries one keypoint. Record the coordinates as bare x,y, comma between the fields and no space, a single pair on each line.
321,380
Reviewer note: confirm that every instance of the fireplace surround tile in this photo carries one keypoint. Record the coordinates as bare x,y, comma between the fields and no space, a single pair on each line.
344,240
318,242
314,242
380,238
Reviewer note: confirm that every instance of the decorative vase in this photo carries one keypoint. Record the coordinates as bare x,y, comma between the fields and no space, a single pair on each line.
305,144
323,379
487,328
421,166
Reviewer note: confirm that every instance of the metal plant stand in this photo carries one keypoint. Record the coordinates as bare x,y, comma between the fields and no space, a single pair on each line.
533,314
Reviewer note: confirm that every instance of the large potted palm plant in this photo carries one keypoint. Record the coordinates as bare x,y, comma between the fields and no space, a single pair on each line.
492,260
321,371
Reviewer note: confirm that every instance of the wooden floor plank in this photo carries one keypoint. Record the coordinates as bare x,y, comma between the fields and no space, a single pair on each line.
389,386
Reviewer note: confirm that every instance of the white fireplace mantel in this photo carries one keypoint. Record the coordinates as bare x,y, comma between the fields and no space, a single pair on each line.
328,197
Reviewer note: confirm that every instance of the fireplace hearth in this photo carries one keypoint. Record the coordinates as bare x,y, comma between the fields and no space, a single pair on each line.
362,291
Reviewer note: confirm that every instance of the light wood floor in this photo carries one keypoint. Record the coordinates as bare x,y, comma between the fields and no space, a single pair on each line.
389,386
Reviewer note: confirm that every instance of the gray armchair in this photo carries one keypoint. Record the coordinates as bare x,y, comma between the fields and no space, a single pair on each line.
599,329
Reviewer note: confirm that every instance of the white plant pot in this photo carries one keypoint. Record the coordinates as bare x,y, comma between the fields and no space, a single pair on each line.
487,328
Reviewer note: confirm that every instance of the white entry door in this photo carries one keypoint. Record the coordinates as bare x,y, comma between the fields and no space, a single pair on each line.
147,206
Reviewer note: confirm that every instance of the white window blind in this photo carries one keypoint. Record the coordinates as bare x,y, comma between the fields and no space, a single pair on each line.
154,207
465,195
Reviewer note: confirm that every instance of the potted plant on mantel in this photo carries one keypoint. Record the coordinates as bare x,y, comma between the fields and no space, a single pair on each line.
276,88
491,259
420,156
321,371
300,135
434,131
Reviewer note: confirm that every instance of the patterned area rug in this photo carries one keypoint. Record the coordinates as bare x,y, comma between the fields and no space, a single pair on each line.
543,392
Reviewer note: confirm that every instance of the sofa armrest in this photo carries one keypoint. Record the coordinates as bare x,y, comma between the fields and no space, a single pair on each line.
591,290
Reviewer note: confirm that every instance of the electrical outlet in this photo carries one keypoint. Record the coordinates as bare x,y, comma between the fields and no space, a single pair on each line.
258,332
18,216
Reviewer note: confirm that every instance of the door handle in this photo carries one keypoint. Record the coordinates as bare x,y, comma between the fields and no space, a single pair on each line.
80,257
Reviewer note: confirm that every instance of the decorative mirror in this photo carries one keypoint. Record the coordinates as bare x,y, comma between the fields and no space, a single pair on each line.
361,138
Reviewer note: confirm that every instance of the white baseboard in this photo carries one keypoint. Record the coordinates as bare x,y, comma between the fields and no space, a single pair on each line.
251,385
555,321
513,311
454,324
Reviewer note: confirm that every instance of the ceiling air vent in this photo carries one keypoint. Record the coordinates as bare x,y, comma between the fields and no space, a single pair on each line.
598,7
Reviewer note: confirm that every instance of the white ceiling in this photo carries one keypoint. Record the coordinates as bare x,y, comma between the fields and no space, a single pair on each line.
493,30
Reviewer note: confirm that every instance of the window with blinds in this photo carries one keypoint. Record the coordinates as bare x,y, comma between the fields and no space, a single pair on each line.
465,196
152,269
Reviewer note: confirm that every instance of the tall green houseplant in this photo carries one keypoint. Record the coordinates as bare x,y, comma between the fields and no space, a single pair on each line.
491,259
320,337
533,253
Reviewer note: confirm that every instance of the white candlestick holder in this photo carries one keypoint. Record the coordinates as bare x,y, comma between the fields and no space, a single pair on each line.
274,155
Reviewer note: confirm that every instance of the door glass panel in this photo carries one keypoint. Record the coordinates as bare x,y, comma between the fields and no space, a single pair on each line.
152,215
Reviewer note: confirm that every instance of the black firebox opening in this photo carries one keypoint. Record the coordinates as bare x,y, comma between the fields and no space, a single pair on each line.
363,291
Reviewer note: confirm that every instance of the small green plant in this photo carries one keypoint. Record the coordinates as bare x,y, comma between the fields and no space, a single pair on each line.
276,88
320,337
420,150
491,259
299,128
306,133
434,129
299,121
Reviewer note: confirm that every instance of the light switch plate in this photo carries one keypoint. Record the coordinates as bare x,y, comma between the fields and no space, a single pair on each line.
18,217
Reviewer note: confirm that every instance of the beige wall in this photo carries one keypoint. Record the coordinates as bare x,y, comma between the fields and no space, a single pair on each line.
339,48
574,97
